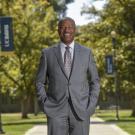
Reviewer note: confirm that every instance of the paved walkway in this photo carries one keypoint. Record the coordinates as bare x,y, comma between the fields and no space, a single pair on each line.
97,127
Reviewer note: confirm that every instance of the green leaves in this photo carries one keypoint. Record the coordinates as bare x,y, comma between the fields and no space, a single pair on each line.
118,16
34,23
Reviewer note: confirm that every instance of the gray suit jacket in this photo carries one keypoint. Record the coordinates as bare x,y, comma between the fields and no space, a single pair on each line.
82,85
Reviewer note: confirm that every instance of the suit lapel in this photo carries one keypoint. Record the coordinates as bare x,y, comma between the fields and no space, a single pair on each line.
75,61
58,54
76,58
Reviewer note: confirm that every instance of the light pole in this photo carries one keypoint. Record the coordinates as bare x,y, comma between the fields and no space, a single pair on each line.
113,34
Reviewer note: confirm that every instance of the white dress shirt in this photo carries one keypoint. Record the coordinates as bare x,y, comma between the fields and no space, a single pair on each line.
63,49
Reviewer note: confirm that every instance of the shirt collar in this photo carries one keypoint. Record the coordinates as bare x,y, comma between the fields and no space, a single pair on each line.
70,45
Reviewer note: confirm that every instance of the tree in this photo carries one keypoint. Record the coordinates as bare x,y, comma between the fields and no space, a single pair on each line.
34,23
60,6
118,16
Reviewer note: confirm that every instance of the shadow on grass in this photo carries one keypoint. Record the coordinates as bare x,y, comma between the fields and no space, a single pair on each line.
100,122
25,123
122,119
112,122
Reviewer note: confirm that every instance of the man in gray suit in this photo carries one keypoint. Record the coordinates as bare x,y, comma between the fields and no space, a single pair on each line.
67,84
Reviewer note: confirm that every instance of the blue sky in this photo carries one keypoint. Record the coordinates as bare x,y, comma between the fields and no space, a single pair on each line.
74,10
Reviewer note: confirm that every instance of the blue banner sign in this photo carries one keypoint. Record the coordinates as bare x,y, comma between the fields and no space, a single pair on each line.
6,35
109,64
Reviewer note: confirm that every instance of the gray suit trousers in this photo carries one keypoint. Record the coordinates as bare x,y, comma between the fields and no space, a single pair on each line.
68,125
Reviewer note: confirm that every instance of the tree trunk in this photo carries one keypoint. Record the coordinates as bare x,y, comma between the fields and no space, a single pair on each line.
133,113
36,109
25,107
133,108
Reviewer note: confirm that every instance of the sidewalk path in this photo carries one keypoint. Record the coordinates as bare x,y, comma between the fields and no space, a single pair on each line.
97,127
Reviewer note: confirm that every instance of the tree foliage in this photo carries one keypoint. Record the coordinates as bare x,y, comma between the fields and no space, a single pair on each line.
115,16
34,27
60,6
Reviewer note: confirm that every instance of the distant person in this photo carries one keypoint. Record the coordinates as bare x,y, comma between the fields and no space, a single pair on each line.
70,74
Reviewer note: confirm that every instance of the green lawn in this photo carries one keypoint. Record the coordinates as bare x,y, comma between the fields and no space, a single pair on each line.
126,122
14,125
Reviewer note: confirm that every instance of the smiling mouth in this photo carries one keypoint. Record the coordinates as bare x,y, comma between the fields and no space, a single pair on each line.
67,34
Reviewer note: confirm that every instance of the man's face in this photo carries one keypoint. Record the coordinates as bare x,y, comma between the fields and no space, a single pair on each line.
66,31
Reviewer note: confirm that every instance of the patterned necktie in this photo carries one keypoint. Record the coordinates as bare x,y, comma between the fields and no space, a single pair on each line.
67,60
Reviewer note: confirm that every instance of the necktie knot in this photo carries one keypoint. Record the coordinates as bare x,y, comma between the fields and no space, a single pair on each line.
67,48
